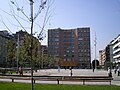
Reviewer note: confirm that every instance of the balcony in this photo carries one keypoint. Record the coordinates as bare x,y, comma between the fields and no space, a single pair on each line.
116,56
116,50
116,45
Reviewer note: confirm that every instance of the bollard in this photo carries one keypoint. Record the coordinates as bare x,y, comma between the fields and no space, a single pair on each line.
34,81
12,80
57,81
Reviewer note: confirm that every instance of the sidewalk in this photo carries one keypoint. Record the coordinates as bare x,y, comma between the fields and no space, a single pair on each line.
80,72
116,79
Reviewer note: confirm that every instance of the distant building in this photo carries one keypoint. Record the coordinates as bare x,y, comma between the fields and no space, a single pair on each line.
70,45
24,39
102,57
44,49
44,55
106,55
116,50
20,35
4,37
15,49
109,52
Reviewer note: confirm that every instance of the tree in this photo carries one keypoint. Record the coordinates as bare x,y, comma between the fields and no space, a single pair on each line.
95,64
38,8
50,61
24,19
41,11
25,53
107,65
10,60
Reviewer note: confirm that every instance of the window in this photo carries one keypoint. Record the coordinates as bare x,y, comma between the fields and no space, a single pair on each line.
80,38
56,39
68,44
68,40
56,36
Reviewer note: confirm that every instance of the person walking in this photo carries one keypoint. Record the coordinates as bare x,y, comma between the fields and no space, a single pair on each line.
118,70
115,70
109,72
21,71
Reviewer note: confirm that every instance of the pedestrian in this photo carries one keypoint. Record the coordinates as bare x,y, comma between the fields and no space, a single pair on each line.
93,69
115,70
109,72
58,69
20,71
118,70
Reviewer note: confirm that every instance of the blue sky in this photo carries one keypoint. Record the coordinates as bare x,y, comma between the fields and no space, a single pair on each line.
102,16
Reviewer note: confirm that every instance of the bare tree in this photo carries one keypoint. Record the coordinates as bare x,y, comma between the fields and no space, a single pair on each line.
21,18
36,17
41,15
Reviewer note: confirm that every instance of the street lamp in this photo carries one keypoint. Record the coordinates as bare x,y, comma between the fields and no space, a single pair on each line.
18,44
95,51
42,56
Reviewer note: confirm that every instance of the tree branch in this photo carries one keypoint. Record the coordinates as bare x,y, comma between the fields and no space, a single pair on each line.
5,24
19,9
17,20
41,7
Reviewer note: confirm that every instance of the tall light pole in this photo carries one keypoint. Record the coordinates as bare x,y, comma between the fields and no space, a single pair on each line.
18,44
42,56
31,47
95,42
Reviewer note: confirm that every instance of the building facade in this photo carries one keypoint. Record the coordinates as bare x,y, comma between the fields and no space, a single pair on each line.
109,52
102,57
4,37
44,49
116,50
70,45
106,55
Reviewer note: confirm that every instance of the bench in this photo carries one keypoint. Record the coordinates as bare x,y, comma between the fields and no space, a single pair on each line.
62,78
88,79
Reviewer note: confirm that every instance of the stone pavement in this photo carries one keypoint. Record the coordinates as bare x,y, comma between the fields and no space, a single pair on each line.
80,72
76,72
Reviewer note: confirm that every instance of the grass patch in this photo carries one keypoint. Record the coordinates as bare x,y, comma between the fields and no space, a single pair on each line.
26,86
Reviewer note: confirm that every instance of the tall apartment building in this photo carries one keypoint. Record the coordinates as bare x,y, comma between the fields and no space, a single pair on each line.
116,49
70,45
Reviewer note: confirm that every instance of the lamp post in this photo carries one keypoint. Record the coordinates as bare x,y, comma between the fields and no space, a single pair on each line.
95,51
18,52
42,57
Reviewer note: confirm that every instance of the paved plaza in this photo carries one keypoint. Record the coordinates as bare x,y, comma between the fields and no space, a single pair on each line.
80,72
76,72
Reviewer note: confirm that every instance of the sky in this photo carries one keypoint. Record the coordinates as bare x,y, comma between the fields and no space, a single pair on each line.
102,16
